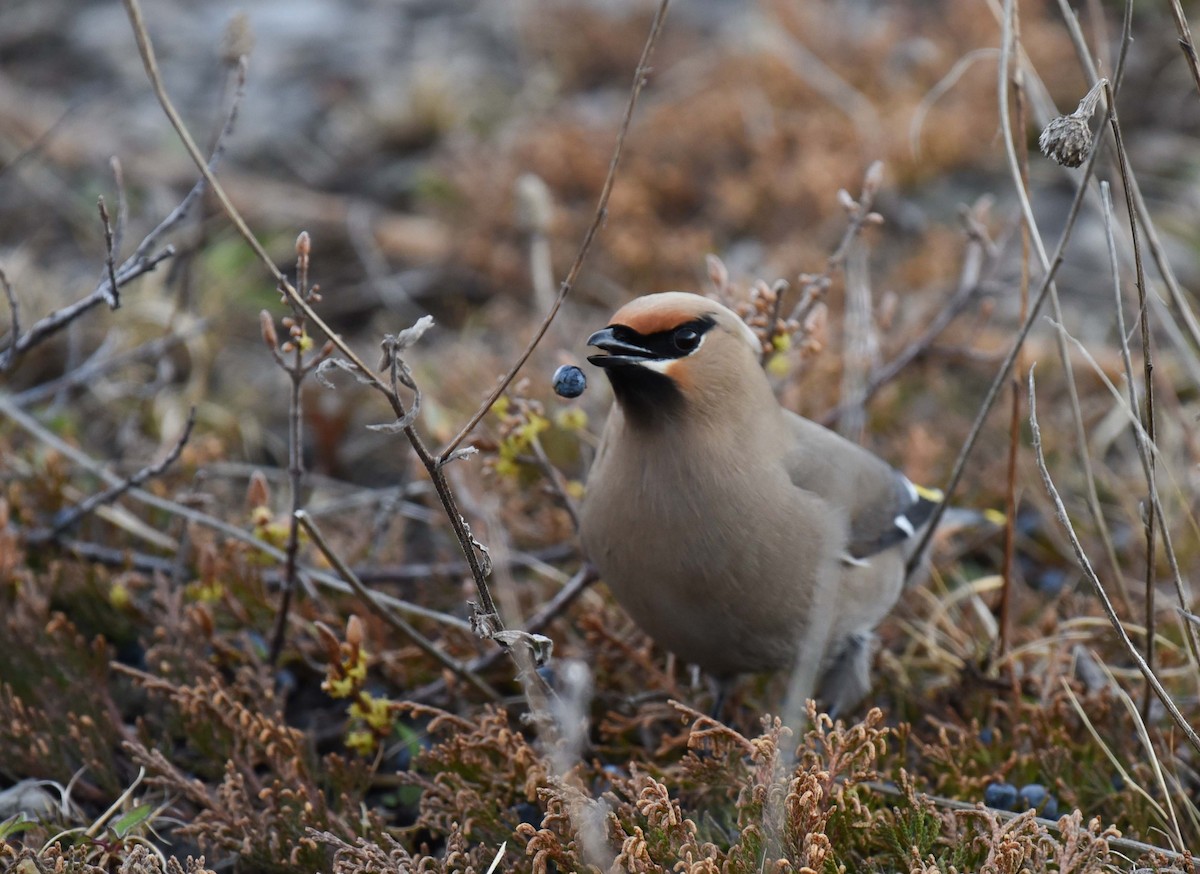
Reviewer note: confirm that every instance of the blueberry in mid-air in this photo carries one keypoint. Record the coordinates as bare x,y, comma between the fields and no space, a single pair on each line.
569,381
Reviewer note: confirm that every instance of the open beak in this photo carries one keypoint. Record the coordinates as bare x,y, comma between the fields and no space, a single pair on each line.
619,352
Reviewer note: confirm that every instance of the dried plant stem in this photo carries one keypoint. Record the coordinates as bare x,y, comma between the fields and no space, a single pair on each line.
115,491
142,261
549,611
390,616
110,266
1185,41
1148,418
1145,445
1086,566
1006,366
1008,564
29,424
555,479
297,368
1010,148
1178,298
639,80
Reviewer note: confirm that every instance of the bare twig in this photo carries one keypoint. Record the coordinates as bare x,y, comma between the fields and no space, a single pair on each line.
291,357
1185,41
29,424
113,291
97,365
1010,146
143,260
549,611
1004,619
1148,387
1086,566
778,289
15,313
639,80
556,480
1143,439
1175,291
83,508
993,392
390,616
979,264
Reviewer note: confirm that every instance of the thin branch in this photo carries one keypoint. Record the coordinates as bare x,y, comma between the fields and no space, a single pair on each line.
112,290
1006,367
1178,298
1185,41
556,480
549,611
143,260
83,508
390,616
96,367
1010,147
979,264
1148,387
639,80
29,424
1085,565
15,312
118,237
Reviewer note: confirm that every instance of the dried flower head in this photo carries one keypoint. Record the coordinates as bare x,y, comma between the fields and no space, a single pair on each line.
1067,140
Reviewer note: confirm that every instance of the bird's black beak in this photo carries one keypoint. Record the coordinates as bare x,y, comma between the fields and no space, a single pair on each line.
620,352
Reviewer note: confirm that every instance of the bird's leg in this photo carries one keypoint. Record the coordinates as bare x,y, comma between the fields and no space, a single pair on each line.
847,679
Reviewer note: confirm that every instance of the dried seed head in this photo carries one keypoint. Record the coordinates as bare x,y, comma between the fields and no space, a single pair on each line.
1067,140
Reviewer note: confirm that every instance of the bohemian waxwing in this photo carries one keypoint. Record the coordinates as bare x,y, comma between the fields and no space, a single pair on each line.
739,535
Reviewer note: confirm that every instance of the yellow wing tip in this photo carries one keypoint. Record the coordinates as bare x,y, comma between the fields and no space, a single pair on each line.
995,517
935,495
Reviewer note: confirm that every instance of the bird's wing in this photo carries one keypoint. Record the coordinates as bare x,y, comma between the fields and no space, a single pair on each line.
882,507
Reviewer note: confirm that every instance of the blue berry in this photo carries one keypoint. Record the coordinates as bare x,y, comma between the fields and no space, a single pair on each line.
569,381
1001,796
1050,811
1034,795
986,736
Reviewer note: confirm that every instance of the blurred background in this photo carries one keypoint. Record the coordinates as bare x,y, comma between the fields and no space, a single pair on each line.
397,134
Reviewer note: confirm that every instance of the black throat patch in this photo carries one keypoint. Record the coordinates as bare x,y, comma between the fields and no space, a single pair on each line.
649,399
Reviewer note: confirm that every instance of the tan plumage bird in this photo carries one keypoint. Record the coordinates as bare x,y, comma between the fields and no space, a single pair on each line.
739,535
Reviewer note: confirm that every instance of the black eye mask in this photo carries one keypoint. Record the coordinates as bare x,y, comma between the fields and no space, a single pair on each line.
626,346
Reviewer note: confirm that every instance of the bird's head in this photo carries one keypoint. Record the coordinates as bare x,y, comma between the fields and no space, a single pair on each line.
670,352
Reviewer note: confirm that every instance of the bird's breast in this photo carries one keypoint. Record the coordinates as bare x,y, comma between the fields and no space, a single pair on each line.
724,562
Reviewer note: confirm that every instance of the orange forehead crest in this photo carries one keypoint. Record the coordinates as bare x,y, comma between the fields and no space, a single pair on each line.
648,316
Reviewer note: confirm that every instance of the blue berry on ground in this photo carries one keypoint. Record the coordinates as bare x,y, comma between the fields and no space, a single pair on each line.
1033,795
1001,796
569,381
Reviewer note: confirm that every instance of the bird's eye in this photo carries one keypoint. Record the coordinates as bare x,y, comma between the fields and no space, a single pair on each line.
686,340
